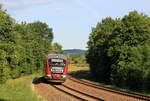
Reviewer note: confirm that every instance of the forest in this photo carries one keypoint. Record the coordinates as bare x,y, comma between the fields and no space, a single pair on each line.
119,51
23,46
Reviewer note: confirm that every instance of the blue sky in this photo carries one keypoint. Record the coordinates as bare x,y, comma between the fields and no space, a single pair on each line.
72,20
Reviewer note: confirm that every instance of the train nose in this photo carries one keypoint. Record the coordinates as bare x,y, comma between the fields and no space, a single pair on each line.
58,76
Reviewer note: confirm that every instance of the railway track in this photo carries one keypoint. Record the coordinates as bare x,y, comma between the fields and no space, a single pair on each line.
75,93
136,96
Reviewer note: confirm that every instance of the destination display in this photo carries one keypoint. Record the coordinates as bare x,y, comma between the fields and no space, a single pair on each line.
56,60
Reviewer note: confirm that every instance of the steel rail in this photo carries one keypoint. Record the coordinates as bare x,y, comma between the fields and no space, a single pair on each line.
137,96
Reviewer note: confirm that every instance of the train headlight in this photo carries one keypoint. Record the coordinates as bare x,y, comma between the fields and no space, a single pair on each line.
64,76
48,77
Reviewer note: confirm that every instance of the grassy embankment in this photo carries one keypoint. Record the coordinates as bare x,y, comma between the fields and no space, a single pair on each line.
18,90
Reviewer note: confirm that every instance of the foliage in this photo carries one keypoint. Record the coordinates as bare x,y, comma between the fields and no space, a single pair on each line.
77,60
42,30
97,48
23,47
118,51
57,48
4,70
147,81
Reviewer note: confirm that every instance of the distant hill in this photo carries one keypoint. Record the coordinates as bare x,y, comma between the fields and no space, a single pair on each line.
74,52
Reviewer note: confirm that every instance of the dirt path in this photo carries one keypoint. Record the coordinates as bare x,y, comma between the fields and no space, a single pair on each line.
50,93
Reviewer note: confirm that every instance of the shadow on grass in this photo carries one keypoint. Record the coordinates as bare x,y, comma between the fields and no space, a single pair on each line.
38,80
4,99
83,74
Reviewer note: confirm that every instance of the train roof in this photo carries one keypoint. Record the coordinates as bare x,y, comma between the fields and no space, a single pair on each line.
61,56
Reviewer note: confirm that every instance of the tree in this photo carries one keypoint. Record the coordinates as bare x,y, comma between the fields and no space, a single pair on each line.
42,30
4,69
97,48
23,47
6,25
57,48
118,50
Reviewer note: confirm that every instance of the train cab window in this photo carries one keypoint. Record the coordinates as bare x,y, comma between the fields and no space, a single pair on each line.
57,63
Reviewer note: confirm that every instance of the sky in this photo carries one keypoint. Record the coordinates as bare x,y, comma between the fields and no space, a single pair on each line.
72,20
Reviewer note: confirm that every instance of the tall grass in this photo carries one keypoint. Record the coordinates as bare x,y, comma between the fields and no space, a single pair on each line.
73,67
18,90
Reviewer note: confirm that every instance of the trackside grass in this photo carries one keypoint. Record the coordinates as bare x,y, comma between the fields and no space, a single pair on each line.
72,68
18,90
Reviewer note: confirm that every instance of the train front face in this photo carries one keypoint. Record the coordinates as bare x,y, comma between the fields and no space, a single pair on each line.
56,68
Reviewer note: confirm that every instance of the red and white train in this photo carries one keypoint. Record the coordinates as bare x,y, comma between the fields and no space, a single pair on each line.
56,68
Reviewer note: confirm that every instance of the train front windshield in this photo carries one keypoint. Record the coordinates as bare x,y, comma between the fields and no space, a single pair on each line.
57,65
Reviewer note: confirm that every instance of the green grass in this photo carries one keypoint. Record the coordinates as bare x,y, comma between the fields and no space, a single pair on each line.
18,90
73,67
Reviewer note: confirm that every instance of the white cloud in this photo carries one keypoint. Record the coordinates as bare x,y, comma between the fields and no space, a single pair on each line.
24,3
61,10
